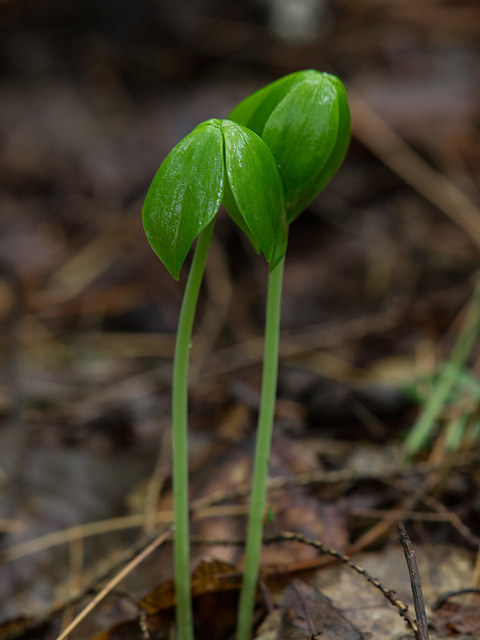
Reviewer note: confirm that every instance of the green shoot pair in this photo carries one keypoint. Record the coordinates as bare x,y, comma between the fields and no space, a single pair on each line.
266,163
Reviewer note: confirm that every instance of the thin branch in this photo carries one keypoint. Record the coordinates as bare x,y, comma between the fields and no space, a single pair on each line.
390,594
114,582
416,583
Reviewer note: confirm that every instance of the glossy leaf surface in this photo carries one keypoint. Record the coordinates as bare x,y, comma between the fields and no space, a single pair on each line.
254,197
185,194
305,120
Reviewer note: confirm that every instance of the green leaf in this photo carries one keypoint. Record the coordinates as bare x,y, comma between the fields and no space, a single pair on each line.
185,194
255,193
302,133
253,112
305,120
233,211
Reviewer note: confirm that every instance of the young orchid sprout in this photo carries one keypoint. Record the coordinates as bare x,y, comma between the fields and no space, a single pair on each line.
219,159
304,119
267,162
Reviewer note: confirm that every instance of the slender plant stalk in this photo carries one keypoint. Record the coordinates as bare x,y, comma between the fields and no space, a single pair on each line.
262,453
180,437
448,378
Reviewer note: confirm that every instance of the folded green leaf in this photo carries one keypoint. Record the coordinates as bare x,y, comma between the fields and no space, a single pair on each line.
254,195
254,111
233,211
185,194
305,120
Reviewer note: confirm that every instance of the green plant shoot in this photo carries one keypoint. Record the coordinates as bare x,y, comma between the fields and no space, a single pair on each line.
448,381
279,148
304,119
219,158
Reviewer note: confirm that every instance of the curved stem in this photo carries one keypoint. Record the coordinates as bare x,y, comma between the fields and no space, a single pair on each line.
180,436
262,453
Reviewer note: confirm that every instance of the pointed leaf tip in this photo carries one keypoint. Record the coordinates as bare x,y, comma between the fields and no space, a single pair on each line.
185,194
254,195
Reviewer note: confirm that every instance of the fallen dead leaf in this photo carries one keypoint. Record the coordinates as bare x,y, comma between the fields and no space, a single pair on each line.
308,615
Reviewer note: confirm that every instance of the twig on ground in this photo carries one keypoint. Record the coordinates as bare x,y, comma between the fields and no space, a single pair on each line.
160,539
445,597
388,593
110,566
68,535
416,583
461,459
202,507
338,555
429,501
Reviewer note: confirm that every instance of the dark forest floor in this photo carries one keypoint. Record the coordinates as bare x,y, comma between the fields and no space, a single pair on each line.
381,269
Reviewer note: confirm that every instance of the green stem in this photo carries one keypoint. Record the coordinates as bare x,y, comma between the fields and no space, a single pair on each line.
425,424
180,436
262,453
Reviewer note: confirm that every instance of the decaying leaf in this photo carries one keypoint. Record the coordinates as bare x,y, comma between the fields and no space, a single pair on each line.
455,619
309,615
208,577
215,587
